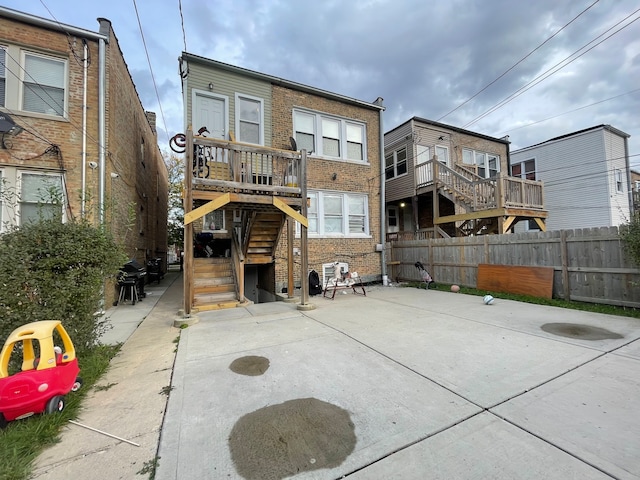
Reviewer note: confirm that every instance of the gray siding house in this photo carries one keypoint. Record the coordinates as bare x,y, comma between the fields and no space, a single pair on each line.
586,177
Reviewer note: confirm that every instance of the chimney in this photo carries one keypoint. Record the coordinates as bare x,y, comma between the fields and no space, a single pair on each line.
151,118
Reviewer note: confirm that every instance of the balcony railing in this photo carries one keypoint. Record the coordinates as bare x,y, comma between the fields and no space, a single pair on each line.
480,193
222,165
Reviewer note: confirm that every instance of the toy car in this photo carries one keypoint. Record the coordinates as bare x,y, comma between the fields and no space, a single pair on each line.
46,374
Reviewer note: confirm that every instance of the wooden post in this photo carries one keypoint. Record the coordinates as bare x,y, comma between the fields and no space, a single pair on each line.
188,229
290,237
436,199
564,254
304,248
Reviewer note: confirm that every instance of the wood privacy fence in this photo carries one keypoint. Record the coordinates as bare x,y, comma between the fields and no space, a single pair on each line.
590,265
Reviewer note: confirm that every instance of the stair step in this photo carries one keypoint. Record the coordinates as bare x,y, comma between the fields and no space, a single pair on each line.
214,298
206,289
258,259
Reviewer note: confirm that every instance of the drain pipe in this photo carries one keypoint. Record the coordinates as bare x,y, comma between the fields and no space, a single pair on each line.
84,129
383,256
102,80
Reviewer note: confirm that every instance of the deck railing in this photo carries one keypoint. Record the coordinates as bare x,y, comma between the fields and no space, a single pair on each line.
231,166
477,192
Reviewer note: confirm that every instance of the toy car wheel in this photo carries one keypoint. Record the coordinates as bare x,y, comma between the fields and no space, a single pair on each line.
55,404
3,422
76,385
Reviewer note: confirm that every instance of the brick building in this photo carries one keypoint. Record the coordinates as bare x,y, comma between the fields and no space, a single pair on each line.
84,134
343,170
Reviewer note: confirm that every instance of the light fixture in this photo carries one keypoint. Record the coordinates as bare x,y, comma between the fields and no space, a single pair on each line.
402,204
441,137
211,86
114,175
8,128
334,176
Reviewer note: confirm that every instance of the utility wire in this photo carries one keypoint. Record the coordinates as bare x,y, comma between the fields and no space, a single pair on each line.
518,62
555,69
155,86
184,35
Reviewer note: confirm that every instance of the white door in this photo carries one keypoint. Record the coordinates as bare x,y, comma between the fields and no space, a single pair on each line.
210,111
392,220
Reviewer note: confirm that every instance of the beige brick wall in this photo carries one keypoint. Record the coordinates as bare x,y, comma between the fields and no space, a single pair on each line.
142,184
351,177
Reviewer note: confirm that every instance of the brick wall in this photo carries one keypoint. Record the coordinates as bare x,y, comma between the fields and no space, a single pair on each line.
350,177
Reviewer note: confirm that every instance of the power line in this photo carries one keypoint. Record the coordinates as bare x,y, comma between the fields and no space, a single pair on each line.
518,62
184,35
155,86
571,111
558,66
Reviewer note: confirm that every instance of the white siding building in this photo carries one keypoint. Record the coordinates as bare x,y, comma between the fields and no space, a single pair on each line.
586,177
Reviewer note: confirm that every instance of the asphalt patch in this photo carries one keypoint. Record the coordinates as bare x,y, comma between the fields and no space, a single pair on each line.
582,332
296,436
251,365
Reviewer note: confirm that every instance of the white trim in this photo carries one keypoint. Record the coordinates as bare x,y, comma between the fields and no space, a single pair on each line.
205,93
318,116
321,233
23,78
237,98
19,173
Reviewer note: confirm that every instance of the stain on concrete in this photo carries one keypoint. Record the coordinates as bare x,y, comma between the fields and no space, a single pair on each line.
251,365
296,436
582,332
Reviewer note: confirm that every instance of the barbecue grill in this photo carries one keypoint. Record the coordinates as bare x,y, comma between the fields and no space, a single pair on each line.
131,280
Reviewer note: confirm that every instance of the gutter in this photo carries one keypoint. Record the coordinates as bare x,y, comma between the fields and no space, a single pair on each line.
383,256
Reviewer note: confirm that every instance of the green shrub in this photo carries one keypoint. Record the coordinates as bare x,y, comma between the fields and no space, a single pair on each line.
630,235
51,270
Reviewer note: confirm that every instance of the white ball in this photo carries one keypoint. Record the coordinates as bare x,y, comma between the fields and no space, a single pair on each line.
488,300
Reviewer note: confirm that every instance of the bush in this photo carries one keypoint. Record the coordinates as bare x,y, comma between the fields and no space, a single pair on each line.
51,270
630,235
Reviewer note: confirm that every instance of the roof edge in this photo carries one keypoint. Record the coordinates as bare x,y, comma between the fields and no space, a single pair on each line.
579,132
281,81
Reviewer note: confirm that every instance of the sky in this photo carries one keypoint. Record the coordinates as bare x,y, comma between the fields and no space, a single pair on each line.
531,70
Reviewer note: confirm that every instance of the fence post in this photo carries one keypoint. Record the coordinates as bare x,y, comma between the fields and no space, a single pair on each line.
565,265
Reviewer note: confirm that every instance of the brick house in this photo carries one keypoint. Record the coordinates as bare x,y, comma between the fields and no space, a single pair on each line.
257,120
83,133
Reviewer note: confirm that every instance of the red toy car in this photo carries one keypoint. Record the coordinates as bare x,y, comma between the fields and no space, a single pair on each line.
46,375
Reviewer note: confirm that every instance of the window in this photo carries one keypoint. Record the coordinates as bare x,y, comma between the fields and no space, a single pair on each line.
3,75
330,136
249,119
619,184
396,163
335,214
526,169
214,221
41,196
44,85
488,163
443,154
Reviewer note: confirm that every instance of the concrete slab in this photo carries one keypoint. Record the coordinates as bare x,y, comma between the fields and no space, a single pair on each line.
390,406
631,350
592,413
485,364
482,447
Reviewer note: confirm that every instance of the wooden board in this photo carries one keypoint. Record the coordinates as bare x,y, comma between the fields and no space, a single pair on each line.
534,281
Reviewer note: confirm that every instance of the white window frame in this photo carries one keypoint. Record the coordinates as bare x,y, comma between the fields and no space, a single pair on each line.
320,230
3,101
394,156
20,202
206,223
25,78
483,164
523,170
251,98
619,180
318,136
446,154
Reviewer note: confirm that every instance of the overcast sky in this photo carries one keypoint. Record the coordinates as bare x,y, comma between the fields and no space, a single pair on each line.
425,58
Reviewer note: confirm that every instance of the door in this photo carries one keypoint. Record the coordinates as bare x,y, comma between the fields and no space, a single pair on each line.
210,111
392,220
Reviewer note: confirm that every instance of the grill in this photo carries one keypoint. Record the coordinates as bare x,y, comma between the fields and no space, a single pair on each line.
131,280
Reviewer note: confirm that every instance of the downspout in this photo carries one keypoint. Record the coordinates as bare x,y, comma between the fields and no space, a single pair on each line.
383,235
102,80
84,129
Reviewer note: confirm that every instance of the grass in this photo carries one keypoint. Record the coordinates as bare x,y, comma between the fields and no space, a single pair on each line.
554,302
23,440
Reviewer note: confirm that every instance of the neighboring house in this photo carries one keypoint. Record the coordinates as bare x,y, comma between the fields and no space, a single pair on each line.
244,185
87,147
585,176
466,173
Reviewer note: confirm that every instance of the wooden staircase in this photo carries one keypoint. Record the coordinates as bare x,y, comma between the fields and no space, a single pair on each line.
264,231
213,284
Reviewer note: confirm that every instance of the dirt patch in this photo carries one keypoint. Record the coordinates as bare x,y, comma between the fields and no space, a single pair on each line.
296,436
251,365
582,332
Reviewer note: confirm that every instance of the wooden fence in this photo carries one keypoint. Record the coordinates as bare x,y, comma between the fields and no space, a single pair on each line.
590,265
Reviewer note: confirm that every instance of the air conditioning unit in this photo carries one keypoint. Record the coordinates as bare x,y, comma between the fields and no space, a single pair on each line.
333,270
